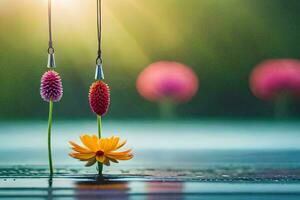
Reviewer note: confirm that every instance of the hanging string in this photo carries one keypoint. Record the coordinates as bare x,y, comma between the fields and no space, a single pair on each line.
99,31
50,44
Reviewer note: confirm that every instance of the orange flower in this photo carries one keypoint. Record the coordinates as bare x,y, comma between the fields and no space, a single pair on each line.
102,150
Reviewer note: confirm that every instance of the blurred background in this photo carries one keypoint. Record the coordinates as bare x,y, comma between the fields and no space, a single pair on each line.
221,41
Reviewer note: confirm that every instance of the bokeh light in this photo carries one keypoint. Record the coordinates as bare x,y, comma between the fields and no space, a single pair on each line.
273,78
167,80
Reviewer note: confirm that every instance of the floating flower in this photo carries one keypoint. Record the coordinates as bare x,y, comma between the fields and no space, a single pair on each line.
167,80
99,97
273,78
102,150
51,86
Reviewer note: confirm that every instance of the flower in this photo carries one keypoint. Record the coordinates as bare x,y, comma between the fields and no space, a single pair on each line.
102,150
51,86
167,80
99,97
274,77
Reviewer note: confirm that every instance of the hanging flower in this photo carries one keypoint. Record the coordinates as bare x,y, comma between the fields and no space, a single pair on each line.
99,97
102,150
167,80
51,86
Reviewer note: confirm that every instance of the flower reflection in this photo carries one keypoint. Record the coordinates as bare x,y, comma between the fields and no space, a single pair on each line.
100,189
165,190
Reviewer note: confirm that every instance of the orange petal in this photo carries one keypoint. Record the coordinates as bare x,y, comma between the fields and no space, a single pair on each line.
127,157
120,157
112,158
89,142
78,148
121,144
115,143
95,141
104,144
111,143
82,156
119,153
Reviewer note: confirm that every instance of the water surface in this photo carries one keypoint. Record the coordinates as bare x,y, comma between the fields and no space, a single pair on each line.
182,160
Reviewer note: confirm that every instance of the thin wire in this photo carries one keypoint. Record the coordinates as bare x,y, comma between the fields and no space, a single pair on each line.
50,44
99,30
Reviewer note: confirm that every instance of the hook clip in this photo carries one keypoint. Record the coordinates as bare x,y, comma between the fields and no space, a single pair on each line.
99,74
51,58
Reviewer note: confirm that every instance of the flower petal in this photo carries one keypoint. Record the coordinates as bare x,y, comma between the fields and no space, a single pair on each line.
82,156
91,151
104,144
119,153
123,157
111,143
91,162
95,140
112,159
106,162
89,142
121,144
115,142
126,155
79,148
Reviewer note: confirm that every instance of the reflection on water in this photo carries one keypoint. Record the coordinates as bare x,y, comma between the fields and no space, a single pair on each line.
115,190
50,192
163,188
92,188
101,188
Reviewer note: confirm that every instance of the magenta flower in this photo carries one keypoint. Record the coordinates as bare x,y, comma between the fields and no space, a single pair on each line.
273,78
51,86
167,80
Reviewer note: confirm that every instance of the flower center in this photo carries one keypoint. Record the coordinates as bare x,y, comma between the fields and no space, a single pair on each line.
99,153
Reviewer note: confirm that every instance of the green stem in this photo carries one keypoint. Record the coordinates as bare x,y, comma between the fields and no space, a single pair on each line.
281,110
100,165
49,136
167,109
99,125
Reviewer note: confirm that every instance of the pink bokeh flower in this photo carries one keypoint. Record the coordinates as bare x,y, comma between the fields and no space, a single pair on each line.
272,78
167,80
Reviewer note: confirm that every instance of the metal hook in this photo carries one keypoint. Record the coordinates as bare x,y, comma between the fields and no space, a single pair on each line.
51,60
99,74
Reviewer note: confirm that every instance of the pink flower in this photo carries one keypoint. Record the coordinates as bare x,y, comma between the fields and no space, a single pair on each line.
51,86
274,77
167,80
